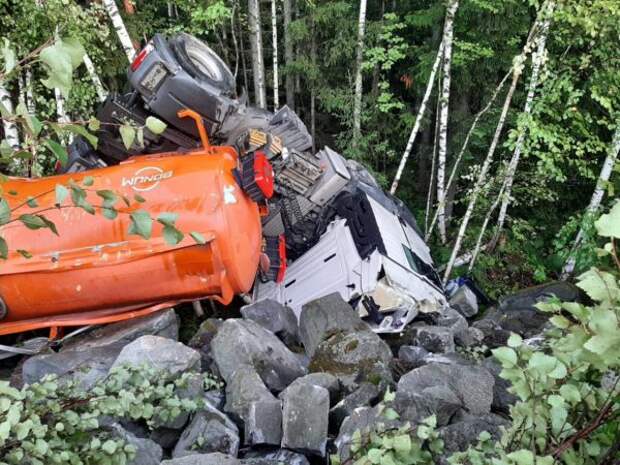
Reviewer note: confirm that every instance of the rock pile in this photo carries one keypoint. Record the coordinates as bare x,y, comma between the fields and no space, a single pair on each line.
295,392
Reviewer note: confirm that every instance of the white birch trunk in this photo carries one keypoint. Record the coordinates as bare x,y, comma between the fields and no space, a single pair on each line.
289,82
431,183
119,27
274,36
11,133
312,89
30,105
357,96
537,61
448,33
483,171
597,197
94,77
465,145
256,42
418,120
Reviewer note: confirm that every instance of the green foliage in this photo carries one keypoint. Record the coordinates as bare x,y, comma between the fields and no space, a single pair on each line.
56,421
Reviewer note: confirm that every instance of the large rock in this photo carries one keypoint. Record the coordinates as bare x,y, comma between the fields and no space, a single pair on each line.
444,389
263,424
243,388
325,380
435,338
493,335
277,457
83,367
354,358
322,317
465,302
209,431
461,434
147,452
164,323
450,318
215,458
160,352
244,342
517,313
274,317
193,389
412,356
364,396
305,418
502,399
470,337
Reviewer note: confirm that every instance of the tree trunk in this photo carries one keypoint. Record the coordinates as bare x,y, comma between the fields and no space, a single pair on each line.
94,77
418,120
30,105
482,176
119,27
234,39
357,97
256,42
313,89
465,144
448,32
11,133
537,60
431,182
274,35
244,66
597,197
289,82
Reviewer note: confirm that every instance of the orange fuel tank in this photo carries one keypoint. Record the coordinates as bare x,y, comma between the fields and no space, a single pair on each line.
93,271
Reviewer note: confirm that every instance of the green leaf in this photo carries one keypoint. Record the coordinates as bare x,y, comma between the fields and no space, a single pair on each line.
167,218
391,414
24,253
141,224
128,135
109,213
109,197
58,64
514,340
88,181
58,150
199,238
82,131
5,149
32,202
570,393
599,285
402,444
74,48
5,211
32,221
109,446
522,457
558,372
506,356
138,198
172,235
9,56
4,249
608,225
601,343
155,125
559,321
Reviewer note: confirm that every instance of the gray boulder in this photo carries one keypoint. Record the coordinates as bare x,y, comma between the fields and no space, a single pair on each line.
322,317
465,302
493,334
412,356
518,313
83,367
305,418
263,424
435,338
209,431
245,387
244,342
277,457
325,380
445,389
354,358
364,396
450,318
502,399
193,389
215,458
164,323
470,337
461,434
274,317
160,352
201,341
147,452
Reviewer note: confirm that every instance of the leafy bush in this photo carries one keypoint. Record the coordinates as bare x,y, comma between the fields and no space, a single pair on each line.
56,422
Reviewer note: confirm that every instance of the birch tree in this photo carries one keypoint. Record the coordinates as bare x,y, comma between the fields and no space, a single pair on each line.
94,77
274,37
595,200
448,33
482,176
537,61
357,96
418,120
11,133
119,27
256,43
289,82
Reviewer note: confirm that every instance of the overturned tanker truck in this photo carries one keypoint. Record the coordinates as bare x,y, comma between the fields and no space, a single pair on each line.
278,221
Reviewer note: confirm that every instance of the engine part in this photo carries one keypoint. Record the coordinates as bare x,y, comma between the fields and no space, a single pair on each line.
257,176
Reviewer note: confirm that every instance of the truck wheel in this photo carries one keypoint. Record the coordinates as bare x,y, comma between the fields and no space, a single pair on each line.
202,63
